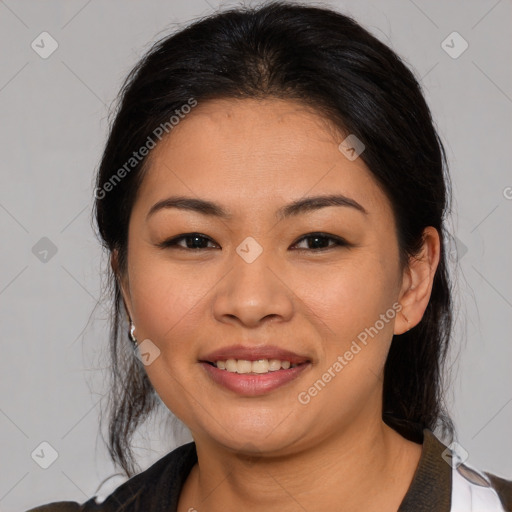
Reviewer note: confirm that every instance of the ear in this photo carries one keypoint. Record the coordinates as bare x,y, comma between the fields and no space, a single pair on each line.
122,281
417,282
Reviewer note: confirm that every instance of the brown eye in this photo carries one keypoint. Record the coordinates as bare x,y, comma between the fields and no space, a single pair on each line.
193,241
320,242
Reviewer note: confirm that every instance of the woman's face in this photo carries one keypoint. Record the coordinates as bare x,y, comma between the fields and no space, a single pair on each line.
255,282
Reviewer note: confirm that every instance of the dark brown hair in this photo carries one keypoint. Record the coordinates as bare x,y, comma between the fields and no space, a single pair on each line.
325,60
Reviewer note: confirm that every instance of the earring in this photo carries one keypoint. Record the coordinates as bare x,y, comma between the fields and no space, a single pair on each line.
131,333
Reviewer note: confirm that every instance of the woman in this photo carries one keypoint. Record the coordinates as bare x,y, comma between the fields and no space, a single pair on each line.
272,196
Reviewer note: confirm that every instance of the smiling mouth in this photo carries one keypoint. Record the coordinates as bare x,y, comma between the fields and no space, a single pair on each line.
256,376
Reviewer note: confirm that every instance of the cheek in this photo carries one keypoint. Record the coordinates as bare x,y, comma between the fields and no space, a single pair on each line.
352,302
166,299
350,296
169,306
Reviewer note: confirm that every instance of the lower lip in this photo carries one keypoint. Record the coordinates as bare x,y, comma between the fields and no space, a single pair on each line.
253,385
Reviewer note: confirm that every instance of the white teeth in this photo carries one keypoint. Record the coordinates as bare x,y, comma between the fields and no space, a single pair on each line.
231,365
259,366
243,366
274,364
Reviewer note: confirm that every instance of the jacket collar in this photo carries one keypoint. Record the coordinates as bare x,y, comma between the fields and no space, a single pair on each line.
431,485
159,487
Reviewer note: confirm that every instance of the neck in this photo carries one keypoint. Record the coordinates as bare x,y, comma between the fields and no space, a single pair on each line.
356,468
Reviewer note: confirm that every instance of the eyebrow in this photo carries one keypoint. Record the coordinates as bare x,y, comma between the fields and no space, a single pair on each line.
294,208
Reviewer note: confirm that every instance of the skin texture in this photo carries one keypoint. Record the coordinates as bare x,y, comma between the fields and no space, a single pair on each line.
271,452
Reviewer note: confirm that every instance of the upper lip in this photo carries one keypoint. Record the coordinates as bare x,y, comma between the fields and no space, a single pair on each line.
253,354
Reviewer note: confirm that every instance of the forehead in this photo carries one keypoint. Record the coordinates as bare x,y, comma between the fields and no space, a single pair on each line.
250,153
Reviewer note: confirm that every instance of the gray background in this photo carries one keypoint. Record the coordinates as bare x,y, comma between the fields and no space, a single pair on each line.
53,127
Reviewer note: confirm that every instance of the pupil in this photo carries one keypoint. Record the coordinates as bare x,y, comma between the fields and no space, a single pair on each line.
316,239
196,241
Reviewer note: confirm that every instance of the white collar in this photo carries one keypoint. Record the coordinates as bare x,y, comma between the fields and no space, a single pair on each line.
472,491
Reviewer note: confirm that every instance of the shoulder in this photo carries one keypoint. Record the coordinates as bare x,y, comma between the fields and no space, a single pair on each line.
139,492
481,489
445,482
61,506
503,488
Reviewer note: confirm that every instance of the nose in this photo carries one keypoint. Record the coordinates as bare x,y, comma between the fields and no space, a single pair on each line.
253,291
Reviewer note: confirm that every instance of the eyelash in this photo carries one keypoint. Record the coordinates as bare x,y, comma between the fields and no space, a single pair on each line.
172,243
